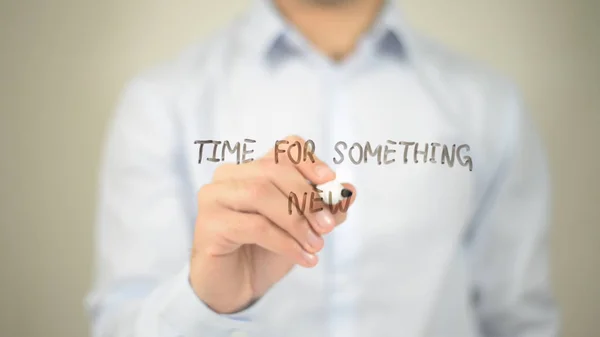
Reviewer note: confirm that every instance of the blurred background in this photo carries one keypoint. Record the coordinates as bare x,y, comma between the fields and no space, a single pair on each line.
63,63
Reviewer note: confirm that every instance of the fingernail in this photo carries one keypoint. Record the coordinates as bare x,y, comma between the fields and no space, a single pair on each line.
314,241
323,171
309,258
325,220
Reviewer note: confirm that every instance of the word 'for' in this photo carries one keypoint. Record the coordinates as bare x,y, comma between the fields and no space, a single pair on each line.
357,153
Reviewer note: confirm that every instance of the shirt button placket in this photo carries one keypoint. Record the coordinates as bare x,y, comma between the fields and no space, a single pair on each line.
340,283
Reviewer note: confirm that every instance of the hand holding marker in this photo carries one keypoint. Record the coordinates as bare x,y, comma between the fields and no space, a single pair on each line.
245,240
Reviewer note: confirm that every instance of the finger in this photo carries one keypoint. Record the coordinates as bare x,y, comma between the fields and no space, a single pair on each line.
337,211
292,185
243,228
261,196
301,197
340,211
299,153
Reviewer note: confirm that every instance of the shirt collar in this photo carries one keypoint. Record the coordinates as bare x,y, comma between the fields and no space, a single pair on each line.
269,35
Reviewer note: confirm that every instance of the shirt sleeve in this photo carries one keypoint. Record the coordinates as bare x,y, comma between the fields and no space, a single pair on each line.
144,228
510,244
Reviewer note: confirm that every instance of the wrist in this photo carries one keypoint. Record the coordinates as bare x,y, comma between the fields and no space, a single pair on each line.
215,296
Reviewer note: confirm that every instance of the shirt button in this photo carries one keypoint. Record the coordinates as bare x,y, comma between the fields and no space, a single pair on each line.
475,297
239,333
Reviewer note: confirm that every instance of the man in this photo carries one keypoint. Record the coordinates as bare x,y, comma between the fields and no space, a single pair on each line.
446,230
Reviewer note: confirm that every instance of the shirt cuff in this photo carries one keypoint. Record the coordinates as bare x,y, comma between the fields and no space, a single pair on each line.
186,313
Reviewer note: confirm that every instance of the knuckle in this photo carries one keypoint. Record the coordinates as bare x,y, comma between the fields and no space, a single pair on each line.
289,171
299,223
293,138
222,171
267,166
237,200
259,225
231,229
287,245
204,192
208,223
207,230
258,188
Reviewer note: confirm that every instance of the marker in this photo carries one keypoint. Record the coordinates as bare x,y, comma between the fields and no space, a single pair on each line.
333,192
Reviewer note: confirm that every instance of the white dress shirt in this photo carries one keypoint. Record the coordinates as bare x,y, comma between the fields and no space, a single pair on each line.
428,249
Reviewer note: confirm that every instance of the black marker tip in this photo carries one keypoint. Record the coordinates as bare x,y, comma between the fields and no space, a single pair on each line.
346,193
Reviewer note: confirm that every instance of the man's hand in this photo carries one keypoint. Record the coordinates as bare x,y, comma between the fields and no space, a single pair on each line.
245,239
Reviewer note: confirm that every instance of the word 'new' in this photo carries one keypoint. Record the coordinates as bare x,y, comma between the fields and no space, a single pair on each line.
314,199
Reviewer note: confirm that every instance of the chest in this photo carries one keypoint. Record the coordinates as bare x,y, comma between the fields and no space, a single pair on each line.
413,169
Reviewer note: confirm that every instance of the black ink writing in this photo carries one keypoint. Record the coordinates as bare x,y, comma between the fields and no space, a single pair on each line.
304,151
296,152
465,160
225,148
315,199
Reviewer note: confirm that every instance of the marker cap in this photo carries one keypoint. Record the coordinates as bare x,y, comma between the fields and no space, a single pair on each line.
333,192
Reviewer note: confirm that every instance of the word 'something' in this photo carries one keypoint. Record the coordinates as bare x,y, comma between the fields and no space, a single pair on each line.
382,152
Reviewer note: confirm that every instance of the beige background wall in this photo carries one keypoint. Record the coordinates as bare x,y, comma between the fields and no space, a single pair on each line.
62,64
